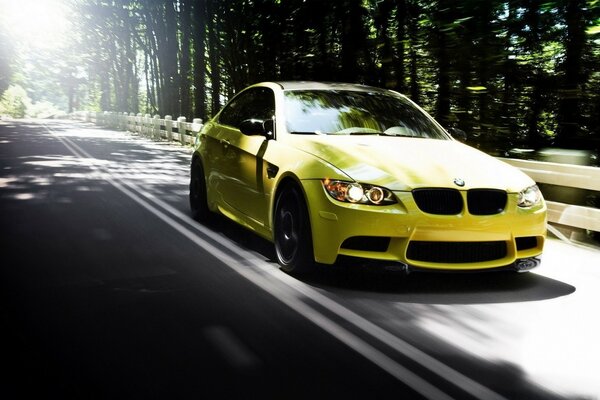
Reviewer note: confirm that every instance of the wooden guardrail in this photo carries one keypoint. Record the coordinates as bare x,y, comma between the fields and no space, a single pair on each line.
565,175
152,127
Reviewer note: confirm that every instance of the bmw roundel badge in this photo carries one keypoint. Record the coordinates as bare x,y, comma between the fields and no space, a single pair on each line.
459,182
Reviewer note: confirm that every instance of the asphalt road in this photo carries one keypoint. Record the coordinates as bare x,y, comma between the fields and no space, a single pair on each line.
110,290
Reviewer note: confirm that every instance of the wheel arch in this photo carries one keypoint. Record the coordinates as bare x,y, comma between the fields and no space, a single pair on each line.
303,258
286,181
197,157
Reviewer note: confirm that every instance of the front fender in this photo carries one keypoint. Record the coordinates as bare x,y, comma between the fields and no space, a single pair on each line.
293,165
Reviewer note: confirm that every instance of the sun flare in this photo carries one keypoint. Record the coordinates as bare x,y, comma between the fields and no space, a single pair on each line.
35,24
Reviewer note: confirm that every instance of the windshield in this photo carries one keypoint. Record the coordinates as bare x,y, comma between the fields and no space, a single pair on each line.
346,112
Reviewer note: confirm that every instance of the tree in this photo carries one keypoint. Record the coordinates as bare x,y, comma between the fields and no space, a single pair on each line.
185,18
14,102
357,64
6,51
214,55
199,48
570,119
391,68
442,44
510,72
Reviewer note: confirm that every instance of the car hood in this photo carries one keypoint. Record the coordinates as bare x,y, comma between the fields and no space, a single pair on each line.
408,163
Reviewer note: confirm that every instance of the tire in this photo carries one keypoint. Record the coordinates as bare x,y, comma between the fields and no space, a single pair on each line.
292,233
198,198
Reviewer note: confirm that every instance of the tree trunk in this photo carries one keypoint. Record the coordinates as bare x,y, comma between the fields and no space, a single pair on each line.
401,17
351,41
169,62
442,42
569,113
214,54
413,34
185,67
199,35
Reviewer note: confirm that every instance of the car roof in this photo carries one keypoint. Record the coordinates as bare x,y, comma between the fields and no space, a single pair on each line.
314,85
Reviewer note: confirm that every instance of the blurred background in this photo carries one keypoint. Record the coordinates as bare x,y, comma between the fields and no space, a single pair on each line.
520,77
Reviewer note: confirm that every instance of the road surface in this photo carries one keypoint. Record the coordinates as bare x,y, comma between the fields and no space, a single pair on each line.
110,290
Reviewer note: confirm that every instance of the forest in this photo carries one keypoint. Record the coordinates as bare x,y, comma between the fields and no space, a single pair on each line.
512,74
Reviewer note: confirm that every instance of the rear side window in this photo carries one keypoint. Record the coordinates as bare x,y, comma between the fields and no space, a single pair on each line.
254,103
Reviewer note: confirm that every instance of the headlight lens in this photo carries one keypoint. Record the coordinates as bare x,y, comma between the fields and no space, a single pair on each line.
530,196
358,193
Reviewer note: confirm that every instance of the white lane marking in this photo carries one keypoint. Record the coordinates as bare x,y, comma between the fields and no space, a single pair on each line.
383,361
375,356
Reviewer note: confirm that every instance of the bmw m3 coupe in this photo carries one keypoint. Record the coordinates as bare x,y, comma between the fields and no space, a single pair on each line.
325,170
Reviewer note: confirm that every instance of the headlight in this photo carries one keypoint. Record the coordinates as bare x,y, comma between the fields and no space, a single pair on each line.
353,192
530,196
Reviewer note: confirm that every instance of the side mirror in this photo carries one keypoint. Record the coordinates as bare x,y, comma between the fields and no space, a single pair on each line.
252,127
458,134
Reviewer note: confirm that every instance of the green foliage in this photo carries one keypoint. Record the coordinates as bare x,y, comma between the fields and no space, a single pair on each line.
511,73
44,109
15,102
5,61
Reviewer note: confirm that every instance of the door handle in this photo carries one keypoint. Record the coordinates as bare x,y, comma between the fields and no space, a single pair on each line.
225,142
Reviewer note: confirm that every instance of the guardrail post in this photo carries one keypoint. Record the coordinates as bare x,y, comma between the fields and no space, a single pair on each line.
571,157
114,120
169,127
138,123
197,124
156,127
147,125
196,127
181,129
143,125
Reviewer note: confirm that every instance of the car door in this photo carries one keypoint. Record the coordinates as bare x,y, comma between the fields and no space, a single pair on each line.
242,169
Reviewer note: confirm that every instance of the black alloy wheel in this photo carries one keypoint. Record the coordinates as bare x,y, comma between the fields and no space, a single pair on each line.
292,234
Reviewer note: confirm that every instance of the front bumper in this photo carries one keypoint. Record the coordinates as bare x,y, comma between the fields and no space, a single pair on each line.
404,234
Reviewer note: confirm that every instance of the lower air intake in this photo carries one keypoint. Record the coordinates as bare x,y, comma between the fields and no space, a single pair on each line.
456,252
367,243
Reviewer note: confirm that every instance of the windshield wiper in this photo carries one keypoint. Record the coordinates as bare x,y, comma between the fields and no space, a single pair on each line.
357,131
407,136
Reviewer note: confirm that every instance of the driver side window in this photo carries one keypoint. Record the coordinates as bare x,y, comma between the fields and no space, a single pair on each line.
255,103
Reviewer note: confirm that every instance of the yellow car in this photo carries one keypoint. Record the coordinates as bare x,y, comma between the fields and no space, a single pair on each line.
326,170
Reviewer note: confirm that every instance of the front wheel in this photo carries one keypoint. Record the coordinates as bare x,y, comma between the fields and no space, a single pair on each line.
292,234
198,197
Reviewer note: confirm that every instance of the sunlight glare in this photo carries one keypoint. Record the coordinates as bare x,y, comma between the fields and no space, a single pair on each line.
35,24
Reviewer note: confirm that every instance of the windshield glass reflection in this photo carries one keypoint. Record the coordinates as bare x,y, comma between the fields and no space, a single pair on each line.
345,112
